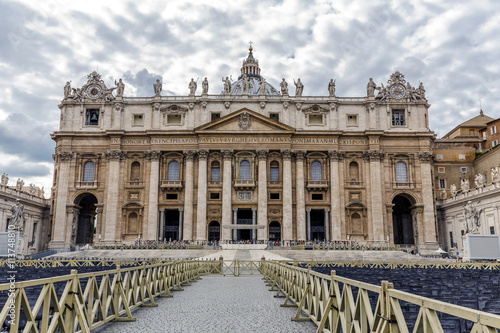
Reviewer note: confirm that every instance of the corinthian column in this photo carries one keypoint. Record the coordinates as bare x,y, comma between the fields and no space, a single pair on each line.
59,235
262,204
287,194
188,195
335,221
201,216
226,192
152,226
374,156
299,189
113,178
428,201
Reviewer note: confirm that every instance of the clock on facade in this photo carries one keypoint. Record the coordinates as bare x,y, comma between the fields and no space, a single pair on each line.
397,91
94,91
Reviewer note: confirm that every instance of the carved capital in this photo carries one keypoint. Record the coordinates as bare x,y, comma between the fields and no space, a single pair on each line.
336,155
204,105
333,107
191,106
115,155
202,154
286,154
389,207
65,156
227,154
299,155
119,107
189,155
285,105
227,105
152,155
373,155
262,154
425,156
298,106
156,106
370,107
262,105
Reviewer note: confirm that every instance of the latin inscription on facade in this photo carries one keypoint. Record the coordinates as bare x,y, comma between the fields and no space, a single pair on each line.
350,142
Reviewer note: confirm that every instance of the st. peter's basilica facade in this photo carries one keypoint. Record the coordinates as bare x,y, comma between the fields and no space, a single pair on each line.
253,163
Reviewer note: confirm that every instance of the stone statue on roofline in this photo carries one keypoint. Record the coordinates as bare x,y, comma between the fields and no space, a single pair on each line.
192,87
370,88
284,87
464,185
5,179
120,88
495,176
471,217
204,87
299,88
157,87
453,190
331,88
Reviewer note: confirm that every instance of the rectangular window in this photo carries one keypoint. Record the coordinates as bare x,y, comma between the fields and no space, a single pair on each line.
464,169
92,117
461,156
494,143
172,196
442,183
215,174
484,135
451,239
214,116
317,196
492,230
274,116
138,119
214,195
441,169
398,118
494,130
174,119
274,196
315,119
352,120
439,156
274,174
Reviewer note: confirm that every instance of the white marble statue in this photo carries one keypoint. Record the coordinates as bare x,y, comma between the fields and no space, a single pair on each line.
479,180
32,189
192,87
370,88
17,217
464,185
453,190
331,88
299,88
67,90
262,86
284,87
444,195
5,179
19,184
120,87
495,176
157,87
471,217
204,87
227,85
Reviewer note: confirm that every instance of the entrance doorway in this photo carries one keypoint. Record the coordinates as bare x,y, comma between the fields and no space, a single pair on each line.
318,230
86,226
402,221
172,218
274,231
214,231
244,217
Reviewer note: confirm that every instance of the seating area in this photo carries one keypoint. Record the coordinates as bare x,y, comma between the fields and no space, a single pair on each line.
477,289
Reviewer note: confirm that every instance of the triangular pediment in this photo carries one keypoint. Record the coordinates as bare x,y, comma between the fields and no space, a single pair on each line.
244,121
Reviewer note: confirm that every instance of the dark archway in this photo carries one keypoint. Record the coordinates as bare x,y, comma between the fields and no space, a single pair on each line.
274,231
318,230
214,231
86,225
402,220
172,225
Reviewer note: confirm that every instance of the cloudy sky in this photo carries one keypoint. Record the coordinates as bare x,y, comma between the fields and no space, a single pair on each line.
453,47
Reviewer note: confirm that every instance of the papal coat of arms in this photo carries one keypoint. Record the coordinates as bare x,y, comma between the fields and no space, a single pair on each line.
245,122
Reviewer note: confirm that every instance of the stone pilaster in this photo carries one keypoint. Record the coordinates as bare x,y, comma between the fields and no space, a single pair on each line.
299,190
262,188
113,180
63,176
429,236
201,211
254,222
235,222
226,191
152,225
377,211
189,195
335,195
287,194
327,224
161,235
181,223
308,224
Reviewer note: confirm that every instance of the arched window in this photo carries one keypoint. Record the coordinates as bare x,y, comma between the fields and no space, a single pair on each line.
316,170
173,171
88,172
135,171
245,170
215,171
401,175
274,171
353,171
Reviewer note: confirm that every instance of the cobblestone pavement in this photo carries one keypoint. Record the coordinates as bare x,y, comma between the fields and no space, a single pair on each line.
216,304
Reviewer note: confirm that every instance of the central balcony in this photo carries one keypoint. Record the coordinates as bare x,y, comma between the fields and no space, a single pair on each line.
171,184
244,184
317,184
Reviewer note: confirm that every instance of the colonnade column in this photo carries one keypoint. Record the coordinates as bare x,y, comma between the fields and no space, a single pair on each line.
374,157
188,195
235,222
254,222
113,180
262,203
299,189
161,236
287,194
201,216
308,229
335,221
429,236
154,182
181,223
64,166
226,192
327,225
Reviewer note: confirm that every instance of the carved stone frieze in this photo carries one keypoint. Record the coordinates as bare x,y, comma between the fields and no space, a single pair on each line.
274,211
373,155
65,156
115,155
425,156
